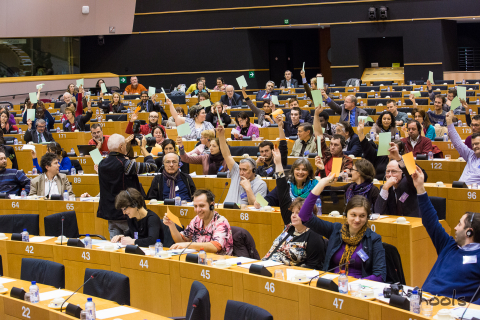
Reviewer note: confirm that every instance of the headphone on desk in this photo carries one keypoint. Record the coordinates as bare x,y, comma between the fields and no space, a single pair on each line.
470,231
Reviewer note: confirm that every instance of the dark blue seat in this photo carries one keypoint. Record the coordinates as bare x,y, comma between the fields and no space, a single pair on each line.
15,223
43,271
237,310
108,285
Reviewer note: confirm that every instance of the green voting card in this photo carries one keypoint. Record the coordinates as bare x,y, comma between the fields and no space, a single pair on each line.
40,86
205,103
303,68
384,143
320,84
33,97
242,83
455,103
164,94
260,199
183,130
31,114
462,93
96,156
80,83
151,91
104,88
430,76
275,100
416,93
365,119
317,97
319,146
148,135
219,118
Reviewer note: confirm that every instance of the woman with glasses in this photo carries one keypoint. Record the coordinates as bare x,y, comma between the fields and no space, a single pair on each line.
196,122
75,120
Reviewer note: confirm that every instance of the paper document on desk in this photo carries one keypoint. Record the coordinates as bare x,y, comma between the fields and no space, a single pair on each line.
241,260
266,264
54,294
330,276
5,280
40,239
291,273
471,313
175,252
28,147
114,312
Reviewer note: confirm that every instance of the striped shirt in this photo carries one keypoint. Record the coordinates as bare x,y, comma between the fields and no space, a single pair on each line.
12,181
196,132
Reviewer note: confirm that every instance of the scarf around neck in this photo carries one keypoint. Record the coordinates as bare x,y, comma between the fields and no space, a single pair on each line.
358,189
351,243
295,192
171,182
214,163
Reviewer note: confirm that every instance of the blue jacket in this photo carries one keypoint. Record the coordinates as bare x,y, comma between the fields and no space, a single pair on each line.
371,242
354,146
48,119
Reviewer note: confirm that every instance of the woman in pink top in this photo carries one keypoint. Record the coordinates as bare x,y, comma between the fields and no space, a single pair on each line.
245,128
212,163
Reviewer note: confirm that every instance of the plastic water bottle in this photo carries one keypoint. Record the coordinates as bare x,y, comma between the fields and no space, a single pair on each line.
470,110
98,111
376,95
361,103
421,88
388,89
445,137
372,135
72,150
343,283
399,103
459,123
341,96
478,102
73,171
15,141
158,248
65,195
397,136
415,302
178,201
319,205
463,81
20,130
24,193
254,136
25,237
429,109
430,155
58,129
34,171
90,308
87,241
202,257
34,293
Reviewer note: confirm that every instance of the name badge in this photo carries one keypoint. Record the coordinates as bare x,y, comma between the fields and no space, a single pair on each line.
362,255
269,170
403,197
469,259
288,239
302,121
177,188
135,236
243,195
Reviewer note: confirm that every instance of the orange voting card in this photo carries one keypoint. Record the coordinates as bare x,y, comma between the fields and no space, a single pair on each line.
276,113
138,109
156,150
173,217
336,166
409,162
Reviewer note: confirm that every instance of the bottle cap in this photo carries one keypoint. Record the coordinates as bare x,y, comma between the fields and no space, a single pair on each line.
158,240
414,292
201,249
342,271
34,282
89,299
88,235
24,229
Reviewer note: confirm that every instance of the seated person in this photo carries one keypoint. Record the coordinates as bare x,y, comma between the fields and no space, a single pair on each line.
12,181
471,172
116,106
304,114
400,117
98,138
37,135
231,98
200,88
145,223
11,117
297,245
472,122
349,240
144,128
171,121
196,122
456,269
193,86
51,182
437,116
451,94
9,152
414,142
221,86
427,129
352,143
5,122
148,104
212,163
308,89
72,122
348,111
208,230
398,196
203,147
306,142
244,127
55,148
134,87
171,182
264,114
267,93
212,116
265,163
169,146
386,123
328,129
288,82
244,184
40,113
290,126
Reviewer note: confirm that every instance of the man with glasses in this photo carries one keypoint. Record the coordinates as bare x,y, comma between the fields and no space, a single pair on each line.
144,128
98,138
398,195
150,105
348,111
37,135
171,182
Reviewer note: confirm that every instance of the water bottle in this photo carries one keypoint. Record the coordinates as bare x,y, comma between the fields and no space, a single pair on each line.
34,293
397,136
463,81
73,171
24,193
372,135
90,308
34,171
445,137
254,136
158,248
376,95
429,109
341,96
430,155
399,103
15,141
470,110
478,102
178,201
388,89
415,302
87,241
58,129
20,130
72,150
354,89
459,123
410,82
343,283
202,257
25,237
361,103
98,111
319,205
65,195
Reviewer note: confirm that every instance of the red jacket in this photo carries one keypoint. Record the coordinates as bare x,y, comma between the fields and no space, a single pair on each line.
144,129
424,146
104,144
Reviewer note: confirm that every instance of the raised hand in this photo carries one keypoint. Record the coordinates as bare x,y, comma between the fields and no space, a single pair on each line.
360,130
419,180
394,154
319,163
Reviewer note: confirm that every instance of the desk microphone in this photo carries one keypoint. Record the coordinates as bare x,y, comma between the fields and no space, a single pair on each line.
184,250
343,264
220,199
61,236
91,277
194,305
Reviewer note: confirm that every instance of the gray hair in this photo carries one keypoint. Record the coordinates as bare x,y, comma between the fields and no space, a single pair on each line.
115,141
270,81
250,161
353,98
39,121
66,94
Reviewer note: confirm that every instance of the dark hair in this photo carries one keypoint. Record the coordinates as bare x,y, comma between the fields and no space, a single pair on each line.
439,96
208,193
298,202
221,79
348,128
266,143
359,201
391,101
365,169
131,199
474,224
379,120
287,71
144,92
307,127
95,126
266,102
242,115
55,147
426,119
419,126
476,117
297,109
2,150
203,94
400,145
475,135
47,160
292,99
306,164
453,90
339,137
98,83
75,91
166,142
6,112
161,129
194,111
325,115
200,79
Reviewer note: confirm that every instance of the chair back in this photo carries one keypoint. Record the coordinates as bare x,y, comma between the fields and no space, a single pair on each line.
15,223
237,310
108,285
76,164
199,297
240,151
394,264
440,205
243,244
53,224
43,271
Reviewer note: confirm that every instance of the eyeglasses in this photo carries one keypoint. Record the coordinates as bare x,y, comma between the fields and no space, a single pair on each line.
392,171
171,162
40,127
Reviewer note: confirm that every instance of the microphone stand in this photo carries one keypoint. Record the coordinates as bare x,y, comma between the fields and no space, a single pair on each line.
321,274
61,236
91,277
184,250
220,199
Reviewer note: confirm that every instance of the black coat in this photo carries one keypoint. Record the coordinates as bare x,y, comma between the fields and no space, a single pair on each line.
156,188
149,107
305,116
236,100
80,122
294,83
31,135
225,118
